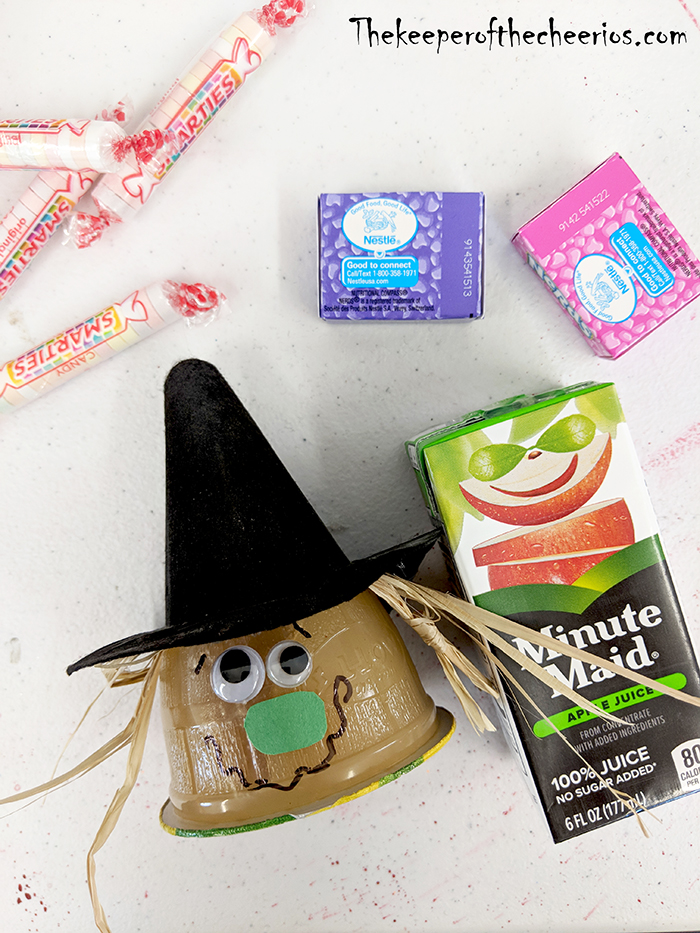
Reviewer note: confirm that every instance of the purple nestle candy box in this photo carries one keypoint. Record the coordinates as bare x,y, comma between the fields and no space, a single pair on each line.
415,256
611,257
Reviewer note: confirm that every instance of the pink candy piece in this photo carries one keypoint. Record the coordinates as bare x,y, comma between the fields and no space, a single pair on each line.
198,302
279,14
147,147
83,229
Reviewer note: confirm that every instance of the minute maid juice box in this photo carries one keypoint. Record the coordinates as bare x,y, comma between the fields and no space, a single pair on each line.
545,509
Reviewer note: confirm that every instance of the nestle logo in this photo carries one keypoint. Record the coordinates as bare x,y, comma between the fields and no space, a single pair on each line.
380,240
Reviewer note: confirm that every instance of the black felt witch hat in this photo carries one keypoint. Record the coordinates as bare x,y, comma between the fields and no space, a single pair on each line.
245,550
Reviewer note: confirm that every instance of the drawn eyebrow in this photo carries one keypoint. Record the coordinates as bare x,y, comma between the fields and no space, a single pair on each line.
200,664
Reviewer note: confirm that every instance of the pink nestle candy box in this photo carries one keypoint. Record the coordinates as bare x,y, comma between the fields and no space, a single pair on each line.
611,257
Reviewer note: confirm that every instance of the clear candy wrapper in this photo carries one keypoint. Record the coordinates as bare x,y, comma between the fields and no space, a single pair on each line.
78,145
98,338
186,110
35,218
48,200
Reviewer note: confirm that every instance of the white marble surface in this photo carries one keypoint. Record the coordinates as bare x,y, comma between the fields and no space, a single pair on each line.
457,844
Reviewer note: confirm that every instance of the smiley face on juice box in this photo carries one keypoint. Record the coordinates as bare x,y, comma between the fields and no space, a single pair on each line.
546,513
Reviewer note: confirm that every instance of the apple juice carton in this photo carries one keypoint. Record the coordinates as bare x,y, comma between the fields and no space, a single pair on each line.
547,517
410,256
611,257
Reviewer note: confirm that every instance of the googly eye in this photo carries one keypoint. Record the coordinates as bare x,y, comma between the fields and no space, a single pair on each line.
288,664
238,674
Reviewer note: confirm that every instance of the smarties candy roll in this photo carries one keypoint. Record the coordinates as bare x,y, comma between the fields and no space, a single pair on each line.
99,145
99,337
35,218
48,200
188,107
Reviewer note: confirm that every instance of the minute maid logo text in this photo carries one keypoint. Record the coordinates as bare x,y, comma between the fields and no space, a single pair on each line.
629,622
64,347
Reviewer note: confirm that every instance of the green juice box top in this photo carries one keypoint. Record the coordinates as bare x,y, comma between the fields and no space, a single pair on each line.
544,506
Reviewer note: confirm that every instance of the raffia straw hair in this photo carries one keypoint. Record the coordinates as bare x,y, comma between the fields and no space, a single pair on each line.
121,673
422,607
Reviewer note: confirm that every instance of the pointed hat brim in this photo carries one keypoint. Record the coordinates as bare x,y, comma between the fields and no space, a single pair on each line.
245,551
337,587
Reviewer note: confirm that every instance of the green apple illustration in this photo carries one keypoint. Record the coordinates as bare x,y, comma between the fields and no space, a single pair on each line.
448,464
603,408
530,485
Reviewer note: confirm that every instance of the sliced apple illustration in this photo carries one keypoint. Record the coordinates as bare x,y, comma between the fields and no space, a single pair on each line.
562,569
594,527
544,486
556,483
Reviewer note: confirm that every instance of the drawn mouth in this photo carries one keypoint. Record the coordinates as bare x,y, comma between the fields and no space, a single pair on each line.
330,740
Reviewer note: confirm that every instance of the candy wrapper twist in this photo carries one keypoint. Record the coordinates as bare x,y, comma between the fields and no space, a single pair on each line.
79,145
116,328
197,96
43,207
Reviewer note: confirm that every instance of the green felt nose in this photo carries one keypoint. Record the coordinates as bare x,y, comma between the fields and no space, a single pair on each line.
286,723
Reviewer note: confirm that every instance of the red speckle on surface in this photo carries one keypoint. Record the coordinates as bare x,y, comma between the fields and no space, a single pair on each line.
677,449
689,12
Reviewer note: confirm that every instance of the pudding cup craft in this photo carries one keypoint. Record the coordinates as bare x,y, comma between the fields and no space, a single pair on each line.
286,687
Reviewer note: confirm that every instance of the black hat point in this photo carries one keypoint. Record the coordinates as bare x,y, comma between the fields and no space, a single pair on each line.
245,550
